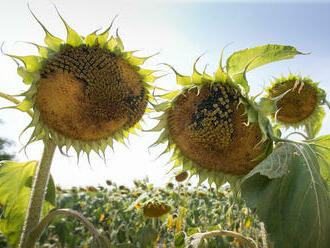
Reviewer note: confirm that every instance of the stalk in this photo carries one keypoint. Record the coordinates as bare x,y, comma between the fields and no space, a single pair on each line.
37,231
38,192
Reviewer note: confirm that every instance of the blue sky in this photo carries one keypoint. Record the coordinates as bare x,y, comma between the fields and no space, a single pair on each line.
181,31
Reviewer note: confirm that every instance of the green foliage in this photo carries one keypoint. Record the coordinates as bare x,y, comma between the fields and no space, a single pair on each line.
291,197
109,210
15,188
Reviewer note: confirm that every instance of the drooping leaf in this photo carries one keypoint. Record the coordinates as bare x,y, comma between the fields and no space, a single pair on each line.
15,188
291,197
263,54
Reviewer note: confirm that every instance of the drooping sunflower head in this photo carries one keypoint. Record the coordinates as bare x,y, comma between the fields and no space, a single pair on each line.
180,177
208,128
300,104
155,208
85,92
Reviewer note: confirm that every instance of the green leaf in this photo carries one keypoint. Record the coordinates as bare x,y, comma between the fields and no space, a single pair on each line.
290,197
268,53
321,146
15,188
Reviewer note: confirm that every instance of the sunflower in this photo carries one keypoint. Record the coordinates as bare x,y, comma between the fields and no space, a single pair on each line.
180,177
155,208
84,92
209,126
301,103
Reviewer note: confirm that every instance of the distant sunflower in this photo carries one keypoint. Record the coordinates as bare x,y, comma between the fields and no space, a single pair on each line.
208,128
85,92
180,177
155,208
301,105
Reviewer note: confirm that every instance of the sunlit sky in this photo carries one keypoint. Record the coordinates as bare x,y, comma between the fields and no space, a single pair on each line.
180,31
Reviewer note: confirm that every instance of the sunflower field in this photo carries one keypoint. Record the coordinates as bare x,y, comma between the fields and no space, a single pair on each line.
118,213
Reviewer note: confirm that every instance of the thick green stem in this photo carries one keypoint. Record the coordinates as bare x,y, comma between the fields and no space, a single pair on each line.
38,192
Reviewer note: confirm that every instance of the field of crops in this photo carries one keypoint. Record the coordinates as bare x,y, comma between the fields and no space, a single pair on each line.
118,213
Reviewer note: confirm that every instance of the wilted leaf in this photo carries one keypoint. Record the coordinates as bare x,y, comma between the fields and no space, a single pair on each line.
15,188
291,197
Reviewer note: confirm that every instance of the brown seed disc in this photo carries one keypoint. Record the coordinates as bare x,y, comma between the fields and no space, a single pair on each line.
209,129
88,93
296,105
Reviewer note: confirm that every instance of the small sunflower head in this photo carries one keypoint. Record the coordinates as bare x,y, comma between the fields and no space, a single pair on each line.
208,129
91,189
301,103
108,182
85,92
155,208
183,175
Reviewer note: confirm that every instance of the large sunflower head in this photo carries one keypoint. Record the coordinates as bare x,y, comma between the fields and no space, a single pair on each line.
300,104
84,92
210,129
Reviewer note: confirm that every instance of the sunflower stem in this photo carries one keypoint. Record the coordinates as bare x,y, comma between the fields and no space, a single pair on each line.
37,231
38,192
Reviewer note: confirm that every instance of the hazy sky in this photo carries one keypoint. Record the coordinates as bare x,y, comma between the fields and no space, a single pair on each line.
181,31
